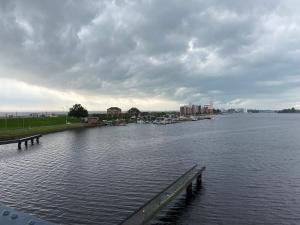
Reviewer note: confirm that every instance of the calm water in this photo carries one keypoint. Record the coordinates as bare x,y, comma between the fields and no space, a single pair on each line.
101,175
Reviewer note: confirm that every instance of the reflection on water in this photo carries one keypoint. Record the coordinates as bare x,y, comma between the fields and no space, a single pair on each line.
101,175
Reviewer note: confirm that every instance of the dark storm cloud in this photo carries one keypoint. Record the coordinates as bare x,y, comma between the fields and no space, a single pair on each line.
181,50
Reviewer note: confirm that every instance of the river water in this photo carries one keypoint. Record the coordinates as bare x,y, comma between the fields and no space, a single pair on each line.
101,175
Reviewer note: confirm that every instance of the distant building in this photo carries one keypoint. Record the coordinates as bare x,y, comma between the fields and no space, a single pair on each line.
114,111
184,110
190,110
207,109
252,111
93,120
240,110
194,109
231,111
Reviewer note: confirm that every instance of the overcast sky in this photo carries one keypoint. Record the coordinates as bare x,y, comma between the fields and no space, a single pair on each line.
152,54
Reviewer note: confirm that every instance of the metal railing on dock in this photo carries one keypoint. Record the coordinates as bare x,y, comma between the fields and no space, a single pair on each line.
148,211
21,140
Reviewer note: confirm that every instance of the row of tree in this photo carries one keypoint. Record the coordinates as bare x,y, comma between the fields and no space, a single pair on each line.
79,111
292,110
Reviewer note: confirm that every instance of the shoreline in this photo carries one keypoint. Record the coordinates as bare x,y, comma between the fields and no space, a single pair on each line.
12,134
6,135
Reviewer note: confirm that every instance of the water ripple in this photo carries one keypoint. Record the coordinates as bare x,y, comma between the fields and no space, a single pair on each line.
101,175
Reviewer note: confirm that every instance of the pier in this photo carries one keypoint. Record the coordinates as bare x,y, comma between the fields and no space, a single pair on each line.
142,216
150,209
25,140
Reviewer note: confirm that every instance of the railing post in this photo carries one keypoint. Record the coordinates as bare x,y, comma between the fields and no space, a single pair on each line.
26,144
31,141
19,145
38,140
189,190
199,180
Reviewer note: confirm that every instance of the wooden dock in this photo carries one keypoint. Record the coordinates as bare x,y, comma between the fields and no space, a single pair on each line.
142,216
21,140
148,211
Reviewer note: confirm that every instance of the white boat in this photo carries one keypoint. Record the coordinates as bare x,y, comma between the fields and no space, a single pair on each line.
140,122
193,118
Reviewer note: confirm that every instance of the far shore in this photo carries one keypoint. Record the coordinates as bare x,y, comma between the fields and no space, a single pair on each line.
11,134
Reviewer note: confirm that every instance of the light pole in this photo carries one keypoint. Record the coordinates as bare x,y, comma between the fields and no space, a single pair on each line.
5,121
64,109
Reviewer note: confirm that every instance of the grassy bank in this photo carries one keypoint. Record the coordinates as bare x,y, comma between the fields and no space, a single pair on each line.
32,122
19,133
22,127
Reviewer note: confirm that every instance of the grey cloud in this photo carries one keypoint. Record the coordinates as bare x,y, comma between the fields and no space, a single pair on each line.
181,50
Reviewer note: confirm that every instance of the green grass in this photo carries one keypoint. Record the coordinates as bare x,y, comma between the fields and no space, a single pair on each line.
13,128
28,122
7,134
